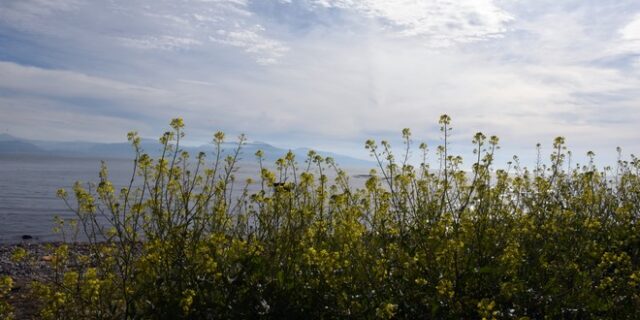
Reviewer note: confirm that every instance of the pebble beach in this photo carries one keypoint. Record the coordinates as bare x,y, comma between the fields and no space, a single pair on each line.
36,266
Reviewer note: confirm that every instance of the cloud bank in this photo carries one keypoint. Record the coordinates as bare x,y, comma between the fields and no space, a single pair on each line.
324,73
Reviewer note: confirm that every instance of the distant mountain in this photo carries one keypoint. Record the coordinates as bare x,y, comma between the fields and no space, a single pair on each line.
7,137
340,159
14,145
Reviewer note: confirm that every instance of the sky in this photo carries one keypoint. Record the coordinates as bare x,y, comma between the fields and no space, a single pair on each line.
325,74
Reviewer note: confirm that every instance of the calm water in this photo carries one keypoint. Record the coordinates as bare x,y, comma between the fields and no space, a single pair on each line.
28,186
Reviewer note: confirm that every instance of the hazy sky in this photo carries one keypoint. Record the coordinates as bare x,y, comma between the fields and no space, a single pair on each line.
325,74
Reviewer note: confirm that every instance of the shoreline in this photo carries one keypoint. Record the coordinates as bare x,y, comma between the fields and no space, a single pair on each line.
35,267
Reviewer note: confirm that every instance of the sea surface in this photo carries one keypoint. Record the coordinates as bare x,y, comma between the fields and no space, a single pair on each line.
28,186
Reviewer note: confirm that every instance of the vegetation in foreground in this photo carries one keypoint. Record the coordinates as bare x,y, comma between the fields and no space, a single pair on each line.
555,241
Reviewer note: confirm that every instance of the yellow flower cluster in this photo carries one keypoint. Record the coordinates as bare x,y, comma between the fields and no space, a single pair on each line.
430,240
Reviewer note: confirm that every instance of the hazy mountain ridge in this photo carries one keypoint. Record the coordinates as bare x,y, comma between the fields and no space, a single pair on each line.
13,145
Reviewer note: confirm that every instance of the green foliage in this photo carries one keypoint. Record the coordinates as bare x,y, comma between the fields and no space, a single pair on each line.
6,311
414,242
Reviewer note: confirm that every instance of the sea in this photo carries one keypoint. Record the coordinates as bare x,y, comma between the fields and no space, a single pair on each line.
28,187
29,183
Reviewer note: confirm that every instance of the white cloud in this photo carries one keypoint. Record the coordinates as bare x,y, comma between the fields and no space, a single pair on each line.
631,31
29,11
199,23
162,43
267,51
630,38
163,25
62,124
67,84
440,22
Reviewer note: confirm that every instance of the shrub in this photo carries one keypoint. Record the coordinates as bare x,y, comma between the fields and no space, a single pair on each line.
415,242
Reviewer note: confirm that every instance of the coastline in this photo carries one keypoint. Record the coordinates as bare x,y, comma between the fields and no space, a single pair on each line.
36,266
